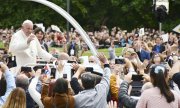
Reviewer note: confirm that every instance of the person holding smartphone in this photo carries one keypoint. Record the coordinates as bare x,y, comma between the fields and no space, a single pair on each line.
10,82
62,95
91,91
161,94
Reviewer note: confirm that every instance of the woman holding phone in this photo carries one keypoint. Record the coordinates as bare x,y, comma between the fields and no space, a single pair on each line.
160,96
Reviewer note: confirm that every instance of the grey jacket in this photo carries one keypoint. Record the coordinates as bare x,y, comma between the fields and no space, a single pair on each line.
94,98
124,98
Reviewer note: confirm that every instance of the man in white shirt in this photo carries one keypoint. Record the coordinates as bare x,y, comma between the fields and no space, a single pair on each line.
26,47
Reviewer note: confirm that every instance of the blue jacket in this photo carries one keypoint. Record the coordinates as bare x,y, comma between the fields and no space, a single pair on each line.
158,48
143,55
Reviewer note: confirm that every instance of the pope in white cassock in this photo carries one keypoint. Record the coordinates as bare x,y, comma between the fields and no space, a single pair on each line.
26,47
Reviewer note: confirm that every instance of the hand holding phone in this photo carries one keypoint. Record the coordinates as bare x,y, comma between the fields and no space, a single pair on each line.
53,73
120,61
89,69
137,77
65,76
26,69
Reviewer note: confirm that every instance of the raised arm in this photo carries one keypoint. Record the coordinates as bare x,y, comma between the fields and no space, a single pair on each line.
74,81
104,85
10,81
32,89
124,98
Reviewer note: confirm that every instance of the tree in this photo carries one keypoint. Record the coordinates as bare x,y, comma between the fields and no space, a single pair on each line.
91,14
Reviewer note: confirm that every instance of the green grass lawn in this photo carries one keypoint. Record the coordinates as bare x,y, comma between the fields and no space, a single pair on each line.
1,44
88,53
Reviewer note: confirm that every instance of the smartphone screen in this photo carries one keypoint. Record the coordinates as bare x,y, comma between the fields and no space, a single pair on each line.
119,61
137,77
65,76
71,61
89,69
53,72
26,69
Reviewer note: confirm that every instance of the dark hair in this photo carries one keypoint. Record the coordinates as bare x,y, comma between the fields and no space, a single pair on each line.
159,74
97,79
2,86
154,55
88,80
60,86
37,30
158,37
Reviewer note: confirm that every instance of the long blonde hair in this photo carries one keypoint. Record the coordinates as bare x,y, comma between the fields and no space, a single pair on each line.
16,99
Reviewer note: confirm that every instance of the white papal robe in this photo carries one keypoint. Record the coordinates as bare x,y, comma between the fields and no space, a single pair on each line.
26,53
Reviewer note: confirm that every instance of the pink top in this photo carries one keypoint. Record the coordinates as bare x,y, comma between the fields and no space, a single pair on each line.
152,98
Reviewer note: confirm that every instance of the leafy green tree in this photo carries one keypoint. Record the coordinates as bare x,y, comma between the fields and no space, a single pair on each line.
91,14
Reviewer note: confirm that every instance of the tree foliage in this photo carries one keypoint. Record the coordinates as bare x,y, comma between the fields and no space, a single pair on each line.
91,14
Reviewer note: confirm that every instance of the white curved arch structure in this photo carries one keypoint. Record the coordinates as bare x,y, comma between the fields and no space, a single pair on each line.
71,20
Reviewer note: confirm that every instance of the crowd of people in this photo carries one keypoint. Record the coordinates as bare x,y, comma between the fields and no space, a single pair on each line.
145,75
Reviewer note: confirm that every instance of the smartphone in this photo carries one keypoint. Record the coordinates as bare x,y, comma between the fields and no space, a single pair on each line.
65,76
26,69
53,72
137,77
67,70
11,61
89,69
119,61
71,61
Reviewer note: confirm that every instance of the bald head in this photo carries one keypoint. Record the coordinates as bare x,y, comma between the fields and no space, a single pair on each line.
93,59
27,27
63,56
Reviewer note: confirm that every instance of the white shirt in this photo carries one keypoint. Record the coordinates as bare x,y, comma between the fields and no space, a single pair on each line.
26,53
